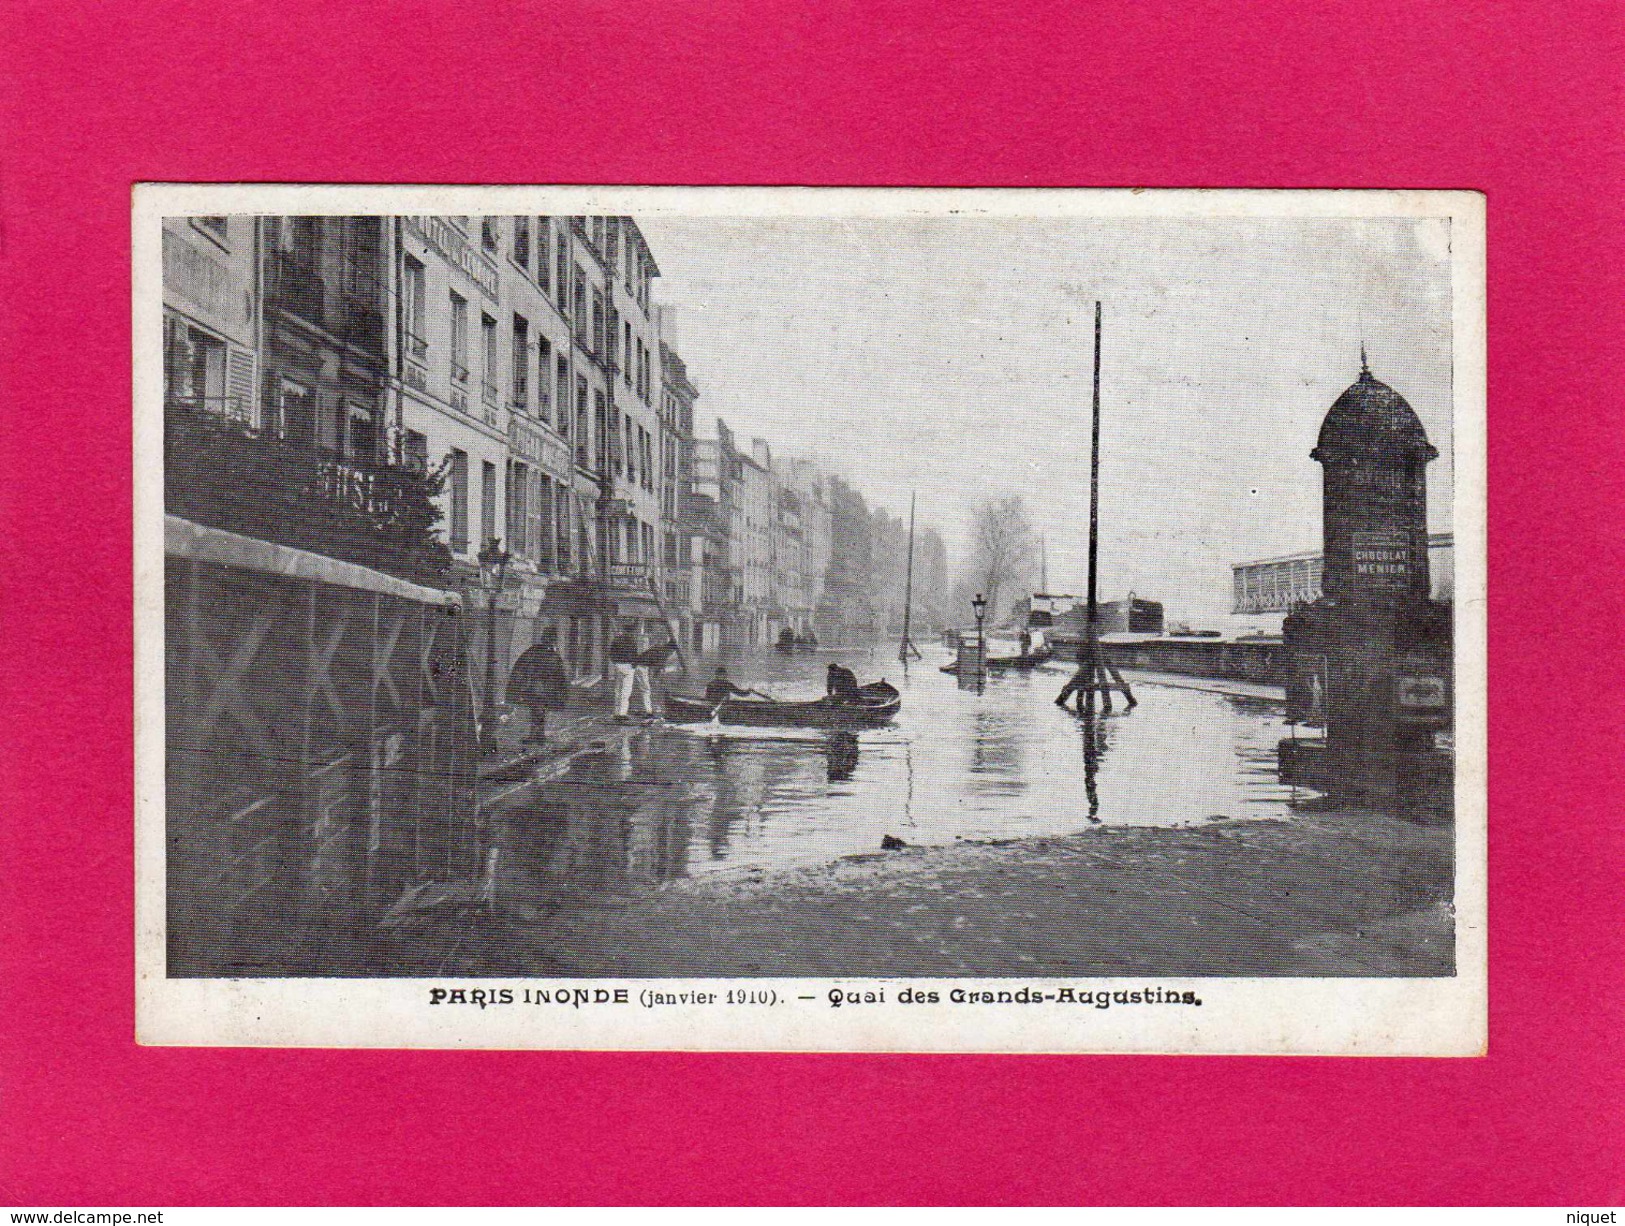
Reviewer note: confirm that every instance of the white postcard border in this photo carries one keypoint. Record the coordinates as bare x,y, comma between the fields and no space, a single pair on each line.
1265,1016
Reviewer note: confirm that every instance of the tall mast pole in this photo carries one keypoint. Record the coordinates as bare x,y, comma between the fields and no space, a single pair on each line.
1094,487
906,645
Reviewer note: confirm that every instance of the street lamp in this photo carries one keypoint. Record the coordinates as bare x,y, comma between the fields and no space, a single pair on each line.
494,561
979,605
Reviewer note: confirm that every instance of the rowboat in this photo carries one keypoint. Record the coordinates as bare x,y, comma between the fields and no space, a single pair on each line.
875,704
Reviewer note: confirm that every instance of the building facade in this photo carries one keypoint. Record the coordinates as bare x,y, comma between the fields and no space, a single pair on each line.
526,374
212,315
516,374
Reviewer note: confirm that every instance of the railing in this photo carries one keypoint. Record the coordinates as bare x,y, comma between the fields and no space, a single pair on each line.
416,347
459,372
490,392
224,474
227,408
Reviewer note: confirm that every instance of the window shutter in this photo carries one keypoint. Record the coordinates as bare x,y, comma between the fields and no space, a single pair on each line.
240,384
535,525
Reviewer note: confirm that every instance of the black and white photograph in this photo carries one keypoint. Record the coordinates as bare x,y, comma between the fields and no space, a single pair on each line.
811,619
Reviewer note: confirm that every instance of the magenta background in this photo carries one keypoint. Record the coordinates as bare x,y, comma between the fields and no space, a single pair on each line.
1510,99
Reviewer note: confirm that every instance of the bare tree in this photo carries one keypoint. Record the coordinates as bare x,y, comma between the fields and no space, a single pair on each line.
1003,552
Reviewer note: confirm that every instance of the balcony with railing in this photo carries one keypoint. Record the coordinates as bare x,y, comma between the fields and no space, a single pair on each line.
230,408
222,473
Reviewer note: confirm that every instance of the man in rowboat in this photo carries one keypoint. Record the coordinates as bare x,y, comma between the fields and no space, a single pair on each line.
840,683
721,689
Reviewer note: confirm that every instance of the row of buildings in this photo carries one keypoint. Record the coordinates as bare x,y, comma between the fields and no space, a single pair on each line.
484,403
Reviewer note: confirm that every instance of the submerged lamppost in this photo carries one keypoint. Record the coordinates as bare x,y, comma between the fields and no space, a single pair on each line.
979,606
494,561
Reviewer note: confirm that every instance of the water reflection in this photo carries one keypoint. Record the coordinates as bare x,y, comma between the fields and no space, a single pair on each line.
995,755
841,753
675,802
1092,732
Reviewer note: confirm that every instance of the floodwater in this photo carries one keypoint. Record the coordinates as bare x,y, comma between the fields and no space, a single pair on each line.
1002,763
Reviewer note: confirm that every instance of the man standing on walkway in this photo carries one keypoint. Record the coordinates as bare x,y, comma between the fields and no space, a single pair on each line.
540,682
642,676
623,667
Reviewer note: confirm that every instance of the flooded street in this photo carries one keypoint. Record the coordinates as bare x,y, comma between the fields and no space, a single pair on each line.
1163,844
691,800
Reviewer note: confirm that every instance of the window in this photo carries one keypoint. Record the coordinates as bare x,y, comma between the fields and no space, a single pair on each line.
544,368
415,452
612,239
541,518
296,411
583,444
521,242
488,333
412,295
459,338
360,433
601,432
544,241
598,323
458,484
631,267
195,369
578,294
598,233
562,263
488,502
488,233
561,526
563,383
521,364
518,508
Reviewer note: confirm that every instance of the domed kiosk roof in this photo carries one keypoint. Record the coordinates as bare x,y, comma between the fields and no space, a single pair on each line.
1372,421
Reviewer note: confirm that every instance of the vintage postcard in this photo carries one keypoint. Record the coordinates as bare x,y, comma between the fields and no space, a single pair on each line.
811,619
